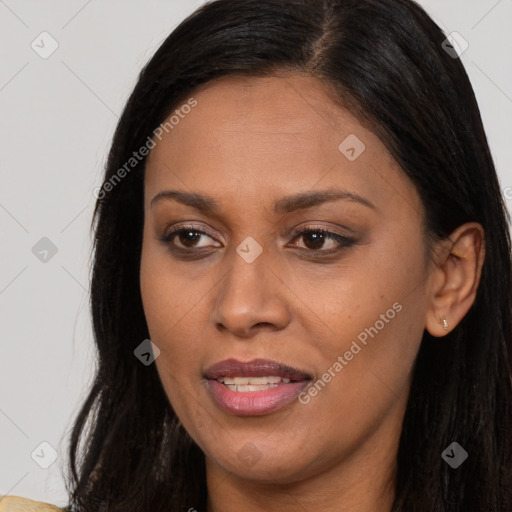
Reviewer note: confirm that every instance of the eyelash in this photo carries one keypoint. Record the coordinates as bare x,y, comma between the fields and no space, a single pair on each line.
344,242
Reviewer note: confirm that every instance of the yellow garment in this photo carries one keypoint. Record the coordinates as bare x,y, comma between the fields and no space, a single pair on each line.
17,504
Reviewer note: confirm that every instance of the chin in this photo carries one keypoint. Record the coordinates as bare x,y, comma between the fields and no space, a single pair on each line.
267,464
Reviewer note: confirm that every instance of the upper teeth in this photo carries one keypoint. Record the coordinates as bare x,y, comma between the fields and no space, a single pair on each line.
255,381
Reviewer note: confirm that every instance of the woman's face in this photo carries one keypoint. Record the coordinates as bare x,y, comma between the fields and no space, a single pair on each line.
242,294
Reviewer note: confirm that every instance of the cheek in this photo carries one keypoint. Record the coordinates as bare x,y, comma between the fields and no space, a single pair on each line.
352,296
167,319
170,295
173,301
373,316
165,310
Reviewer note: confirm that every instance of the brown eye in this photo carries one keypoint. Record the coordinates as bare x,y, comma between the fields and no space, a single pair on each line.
187,238
316,239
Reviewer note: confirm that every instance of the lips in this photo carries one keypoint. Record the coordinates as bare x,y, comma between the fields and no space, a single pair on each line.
255,368
254,388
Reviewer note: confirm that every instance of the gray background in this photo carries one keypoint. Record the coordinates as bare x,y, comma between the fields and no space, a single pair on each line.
57,118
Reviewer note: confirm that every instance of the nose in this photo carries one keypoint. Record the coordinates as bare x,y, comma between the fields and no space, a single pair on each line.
251,298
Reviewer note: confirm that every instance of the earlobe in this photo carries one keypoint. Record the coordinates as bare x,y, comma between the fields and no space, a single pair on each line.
438,328
455,278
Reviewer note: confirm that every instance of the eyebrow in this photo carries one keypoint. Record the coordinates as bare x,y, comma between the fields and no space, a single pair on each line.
288,204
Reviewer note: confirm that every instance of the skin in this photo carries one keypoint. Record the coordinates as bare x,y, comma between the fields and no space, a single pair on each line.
248,143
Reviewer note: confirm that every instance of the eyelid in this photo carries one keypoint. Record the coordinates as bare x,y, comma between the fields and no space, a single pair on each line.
343,241
168,233
318,227
296,231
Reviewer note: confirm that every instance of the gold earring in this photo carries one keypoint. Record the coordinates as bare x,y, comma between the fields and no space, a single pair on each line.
445,324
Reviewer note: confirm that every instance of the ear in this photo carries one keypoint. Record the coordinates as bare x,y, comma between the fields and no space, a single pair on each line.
454,279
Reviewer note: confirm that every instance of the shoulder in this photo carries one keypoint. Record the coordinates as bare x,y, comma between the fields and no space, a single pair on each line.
17,504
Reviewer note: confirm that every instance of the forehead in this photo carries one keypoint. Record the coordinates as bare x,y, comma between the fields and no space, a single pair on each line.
262,137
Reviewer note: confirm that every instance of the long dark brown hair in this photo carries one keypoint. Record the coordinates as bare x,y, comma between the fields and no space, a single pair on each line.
385,60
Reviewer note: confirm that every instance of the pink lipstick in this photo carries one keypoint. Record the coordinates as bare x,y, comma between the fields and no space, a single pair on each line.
254,388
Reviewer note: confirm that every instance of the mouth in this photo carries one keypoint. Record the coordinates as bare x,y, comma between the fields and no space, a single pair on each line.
254,388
